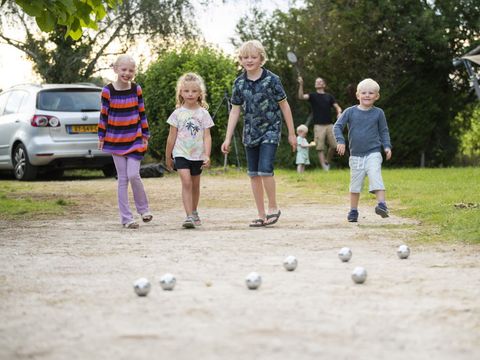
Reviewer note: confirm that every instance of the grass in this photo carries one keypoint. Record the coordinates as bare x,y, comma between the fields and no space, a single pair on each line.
446,201
21,200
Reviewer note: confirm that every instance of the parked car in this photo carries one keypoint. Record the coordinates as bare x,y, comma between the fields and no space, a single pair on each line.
50,128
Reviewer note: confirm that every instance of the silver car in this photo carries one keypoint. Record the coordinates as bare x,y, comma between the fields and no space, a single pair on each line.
49,128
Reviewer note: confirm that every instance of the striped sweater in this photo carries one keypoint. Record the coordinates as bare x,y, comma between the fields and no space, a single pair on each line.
123,124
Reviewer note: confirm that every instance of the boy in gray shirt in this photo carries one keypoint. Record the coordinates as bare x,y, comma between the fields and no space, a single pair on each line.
367,134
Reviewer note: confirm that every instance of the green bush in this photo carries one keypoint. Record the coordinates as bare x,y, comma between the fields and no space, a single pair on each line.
159,82
467,130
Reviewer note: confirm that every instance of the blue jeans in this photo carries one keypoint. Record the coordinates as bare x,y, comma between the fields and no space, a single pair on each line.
260,159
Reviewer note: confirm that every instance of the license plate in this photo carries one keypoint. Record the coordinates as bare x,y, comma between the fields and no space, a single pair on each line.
76,129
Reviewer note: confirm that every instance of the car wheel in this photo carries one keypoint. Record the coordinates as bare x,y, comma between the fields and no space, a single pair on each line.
109,171
22,169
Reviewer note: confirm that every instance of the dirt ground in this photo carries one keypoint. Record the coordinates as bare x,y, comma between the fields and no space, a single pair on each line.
66,283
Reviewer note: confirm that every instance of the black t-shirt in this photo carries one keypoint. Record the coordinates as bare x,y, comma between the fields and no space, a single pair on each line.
321,107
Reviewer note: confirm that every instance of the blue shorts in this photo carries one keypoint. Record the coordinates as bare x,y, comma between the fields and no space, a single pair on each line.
260,159
195,166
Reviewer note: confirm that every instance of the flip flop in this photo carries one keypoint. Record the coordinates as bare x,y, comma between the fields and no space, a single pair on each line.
257,223
274,218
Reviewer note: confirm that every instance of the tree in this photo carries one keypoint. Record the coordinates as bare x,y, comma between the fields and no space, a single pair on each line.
159,82
467,129
74,15
407,47
58,58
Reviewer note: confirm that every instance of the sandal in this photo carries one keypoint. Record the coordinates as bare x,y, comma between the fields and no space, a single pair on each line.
147,217
257,223
273,217
131,225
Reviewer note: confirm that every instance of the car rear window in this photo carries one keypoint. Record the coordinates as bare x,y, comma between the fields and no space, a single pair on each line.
72,100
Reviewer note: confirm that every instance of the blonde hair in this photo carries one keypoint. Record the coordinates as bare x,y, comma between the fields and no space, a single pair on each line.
368,84
194,78
303,128
252,47
124,58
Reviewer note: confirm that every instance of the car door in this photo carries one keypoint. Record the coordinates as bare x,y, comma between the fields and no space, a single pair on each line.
9,122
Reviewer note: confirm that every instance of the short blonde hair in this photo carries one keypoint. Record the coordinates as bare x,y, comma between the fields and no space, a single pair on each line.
303,128
124,58
252,47
368,84
196,79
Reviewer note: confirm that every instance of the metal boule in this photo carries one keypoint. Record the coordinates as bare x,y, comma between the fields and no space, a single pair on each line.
290,263
253,281
359,275
141,287
168,281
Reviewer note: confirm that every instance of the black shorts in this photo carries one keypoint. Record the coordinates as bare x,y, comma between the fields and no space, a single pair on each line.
195,166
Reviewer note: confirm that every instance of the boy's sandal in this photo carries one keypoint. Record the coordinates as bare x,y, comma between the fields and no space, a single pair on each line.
131,225
272,218
147,217
257,223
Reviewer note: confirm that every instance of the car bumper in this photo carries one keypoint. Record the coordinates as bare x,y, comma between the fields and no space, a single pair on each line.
45,153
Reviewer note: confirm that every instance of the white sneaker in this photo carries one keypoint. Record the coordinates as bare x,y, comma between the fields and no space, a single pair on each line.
196,218
326,167
188,223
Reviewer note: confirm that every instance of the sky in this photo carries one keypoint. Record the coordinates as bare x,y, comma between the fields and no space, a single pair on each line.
217,22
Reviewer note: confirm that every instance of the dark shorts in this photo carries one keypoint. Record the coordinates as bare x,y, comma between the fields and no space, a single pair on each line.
260,159
195,166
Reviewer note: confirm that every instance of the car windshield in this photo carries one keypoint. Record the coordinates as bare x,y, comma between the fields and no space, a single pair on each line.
72,100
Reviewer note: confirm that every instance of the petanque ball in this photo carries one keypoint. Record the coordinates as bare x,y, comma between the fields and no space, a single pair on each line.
141,287
290,263
359,275
403,251
253,281
168,281
345,254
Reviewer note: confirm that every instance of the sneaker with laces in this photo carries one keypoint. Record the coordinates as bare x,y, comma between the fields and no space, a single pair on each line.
147,217
352,216
131,225
188,223
382,210
196,218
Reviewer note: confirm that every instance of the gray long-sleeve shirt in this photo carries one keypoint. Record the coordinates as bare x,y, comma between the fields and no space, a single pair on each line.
367,130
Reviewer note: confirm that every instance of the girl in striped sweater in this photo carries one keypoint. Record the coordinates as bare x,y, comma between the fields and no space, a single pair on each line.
123,132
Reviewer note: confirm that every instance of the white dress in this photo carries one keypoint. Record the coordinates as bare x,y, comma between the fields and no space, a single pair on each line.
302,152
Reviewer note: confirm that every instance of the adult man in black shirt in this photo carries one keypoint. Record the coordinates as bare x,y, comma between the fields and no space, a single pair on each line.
322,103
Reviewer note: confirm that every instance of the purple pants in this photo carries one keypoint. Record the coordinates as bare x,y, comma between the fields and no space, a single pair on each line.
128,169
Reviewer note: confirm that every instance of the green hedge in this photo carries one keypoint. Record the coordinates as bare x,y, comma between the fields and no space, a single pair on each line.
159,82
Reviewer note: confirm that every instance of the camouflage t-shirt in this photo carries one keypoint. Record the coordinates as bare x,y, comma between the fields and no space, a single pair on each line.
261,111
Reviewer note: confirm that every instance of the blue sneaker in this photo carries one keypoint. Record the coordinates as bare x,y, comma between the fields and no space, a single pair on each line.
352,216
382,210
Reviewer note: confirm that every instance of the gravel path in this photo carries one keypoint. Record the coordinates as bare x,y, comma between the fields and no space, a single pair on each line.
66,283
